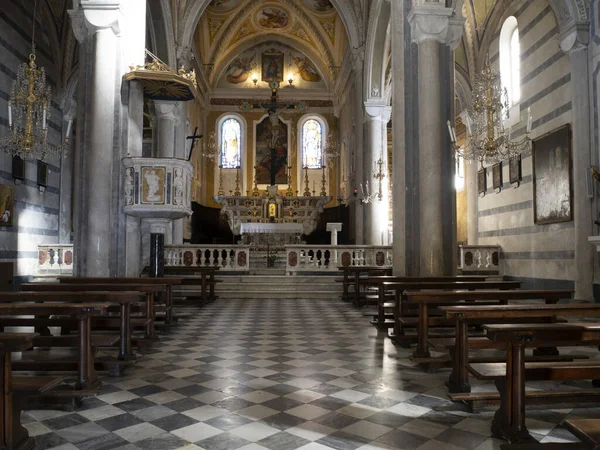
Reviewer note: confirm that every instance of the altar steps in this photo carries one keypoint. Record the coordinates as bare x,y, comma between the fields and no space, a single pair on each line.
277,286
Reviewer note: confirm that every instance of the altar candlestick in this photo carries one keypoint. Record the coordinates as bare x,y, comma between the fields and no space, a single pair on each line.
450,131
9,114
529,120
69,128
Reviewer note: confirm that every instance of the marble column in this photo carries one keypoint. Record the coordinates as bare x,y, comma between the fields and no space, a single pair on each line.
359,228
434,27
471,169
166,122
376,212
398,137
102,22
575,43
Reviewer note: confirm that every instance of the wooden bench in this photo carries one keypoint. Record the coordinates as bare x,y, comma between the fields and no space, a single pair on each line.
378,282
203,276
122,298
426,300
87,378
169,282
464,316
13,391
149,289
510,377
351,276
586,430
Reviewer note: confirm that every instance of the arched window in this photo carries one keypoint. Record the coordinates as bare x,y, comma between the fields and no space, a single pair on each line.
510,60
231,143
312,144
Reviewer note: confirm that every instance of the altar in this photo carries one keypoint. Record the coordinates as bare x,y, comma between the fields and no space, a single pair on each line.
271,235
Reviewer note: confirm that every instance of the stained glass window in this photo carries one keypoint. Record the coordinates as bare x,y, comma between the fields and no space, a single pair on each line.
231,142
312,144
510,60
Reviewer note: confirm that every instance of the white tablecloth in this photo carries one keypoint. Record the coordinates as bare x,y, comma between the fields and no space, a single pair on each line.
273,228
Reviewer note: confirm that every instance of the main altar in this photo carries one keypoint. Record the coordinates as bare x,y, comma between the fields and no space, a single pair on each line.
271,219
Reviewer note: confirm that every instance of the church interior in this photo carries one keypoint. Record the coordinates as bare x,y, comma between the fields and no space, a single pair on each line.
299,224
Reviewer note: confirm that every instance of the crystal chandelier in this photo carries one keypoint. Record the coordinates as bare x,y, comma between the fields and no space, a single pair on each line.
29,112
490,141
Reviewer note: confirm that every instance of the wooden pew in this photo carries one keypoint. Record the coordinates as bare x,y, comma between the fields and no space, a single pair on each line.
122,298
378,282
14,389
405,301
149,289
351,275
169,282
87,378
203,276
586,430
510,377
464,316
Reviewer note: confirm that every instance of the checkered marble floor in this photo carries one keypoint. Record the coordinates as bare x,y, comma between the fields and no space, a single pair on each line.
278,375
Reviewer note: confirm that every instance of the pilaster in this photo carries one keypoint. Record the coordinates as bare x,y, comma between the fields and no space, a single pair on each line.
574,42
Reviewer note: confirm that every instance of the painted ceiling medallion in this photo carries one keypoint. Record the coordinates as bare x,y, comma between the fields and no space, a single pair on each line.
273,18
224,5
318,5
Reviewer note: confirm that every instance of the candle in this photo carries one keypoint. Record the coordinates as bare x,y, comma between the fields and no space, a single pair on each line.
450,131
529,120
44,112
468,122
362,191
69,127
9,114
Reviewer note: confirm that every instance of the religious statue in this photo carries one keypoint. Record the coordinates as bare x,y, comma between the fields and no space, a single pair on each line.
152,180
178,187
129,186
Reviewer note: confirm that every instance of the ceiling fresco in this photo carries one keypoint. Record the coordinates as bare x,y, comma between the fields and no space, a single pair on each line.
229,32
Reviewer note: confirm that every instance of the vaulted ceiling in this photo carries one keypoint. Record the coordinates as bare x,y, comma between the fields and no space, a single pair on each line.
232,36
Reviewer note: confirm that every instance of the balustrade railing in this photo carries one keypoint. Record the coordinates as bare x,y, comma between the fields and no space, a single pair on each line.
55,259
328,258
479,258
227,257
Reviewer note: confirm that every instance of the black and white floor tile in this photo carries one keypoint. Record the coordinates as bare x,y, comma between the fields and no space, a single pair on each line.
278,375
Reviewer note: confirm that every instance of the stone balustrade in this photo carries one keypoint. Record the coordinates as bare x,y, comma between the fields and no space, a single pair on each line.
55,259
479,258
230,258
328,258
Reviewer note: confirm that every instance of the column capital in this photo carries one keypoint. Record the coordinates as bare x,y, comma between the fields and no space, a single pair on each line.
185,55
166,109
377,112
436,22
101,14
575,38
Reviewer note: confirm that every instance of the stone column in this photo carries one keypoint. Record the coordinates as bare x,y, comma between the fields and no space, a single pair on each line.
472,202
433,26
376,212
102,22
358,145
575,43
66,185
166,118
181,151
398,138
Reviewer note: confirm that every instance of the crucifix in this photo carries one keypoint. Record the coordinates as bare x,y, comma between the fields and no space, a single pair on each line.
276,133
195,137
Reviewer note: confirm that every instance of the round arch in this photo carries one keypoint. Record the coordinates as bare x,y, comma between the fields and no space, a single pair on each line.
160,24
379,20
195,10
256,40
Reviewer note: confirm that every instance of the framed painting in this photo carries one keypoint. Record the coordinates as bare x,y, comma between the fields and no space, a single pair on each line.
514,170
271,146
497,176
42,174
482,181
272,66
552,190
7,205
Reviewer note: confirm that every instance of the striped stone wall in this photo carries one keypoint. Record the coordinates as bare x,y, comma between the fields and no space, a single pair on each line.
36,218
541,254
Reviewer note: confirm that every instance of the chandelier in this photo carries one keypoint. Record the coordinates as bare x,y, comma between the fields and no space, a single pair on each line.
29,111
490,141
379,174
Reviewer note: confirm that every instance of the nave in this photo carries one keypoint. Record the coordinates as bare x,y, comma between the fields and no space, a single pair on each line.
281,375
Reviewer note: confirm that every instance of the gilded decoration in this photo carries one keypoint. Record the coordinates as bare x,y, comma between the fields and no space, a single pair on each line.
224,5
320,6
7,200
301,33
162,82
328,25
244,31
214,25
153,185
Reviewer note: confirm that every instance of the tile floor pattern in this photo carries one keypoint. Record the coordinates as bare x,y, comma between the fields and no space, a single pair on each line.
278,375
